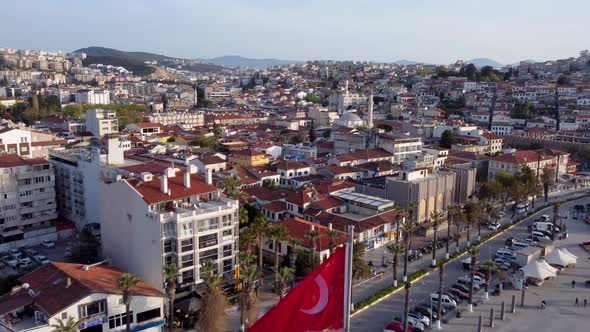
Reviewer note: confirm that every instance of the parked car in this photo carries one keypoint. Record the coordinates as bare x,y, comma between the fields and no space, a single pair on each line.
41,259
31,252
459,294
25,265
413,323
509,241
502,264
494,227
10,261
395,327
48,244
463,288
419,317
478,273
14,252
540,235
425,310
447,302
467,282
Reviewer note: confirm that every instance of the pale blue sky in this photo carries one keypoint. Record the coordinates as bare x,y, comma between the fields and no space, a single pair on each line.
433,31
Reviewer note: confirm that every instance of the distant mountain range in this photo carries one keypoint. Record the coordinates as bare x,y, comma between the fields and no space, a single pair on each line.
240,61
135,61
482,62
405,62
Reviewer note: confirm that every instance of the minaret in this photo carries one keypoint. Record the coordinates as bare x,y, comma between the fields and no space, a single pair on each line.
370,122
195,95
346,87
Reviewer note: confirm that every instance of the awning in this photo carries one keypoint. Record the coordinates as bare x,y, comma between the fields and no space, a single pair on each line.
148,326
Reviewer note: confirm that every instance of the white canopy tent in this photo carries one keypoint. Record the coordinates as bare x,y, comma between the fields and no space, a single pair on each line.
569,253
546,265
558,257
538,270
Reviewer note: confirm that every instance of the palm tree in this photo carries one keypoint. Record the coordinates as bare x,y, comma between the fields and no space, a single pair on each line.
70,325
437,218
407,287
231,185
456,217
547,180
313,235
474,253
213,315
170,273
246,258
258,229
440,291
277,233
471,213
489,266
248,302
395,249
285,275
125,283
408,228
556,207
332,235
244,218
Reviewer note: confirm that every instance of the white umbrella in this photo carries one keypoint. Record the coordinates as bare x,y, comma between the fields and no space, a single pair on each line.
546,265
568,253
537,270
560,258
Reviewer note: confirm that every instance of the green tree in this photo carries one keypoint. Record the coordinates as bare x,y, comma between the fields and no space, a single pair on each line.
437,218
360,269
472,211
258,228
408,227
395,249
474,251
332,236
547,180
249,311
125,284
213,316
556,206
489,266
441,279
447,139
69,325
231,187
277,233
170,274
456,217
284,275
312,98
244,219
35,103
312,134
313,235
268,183
407,287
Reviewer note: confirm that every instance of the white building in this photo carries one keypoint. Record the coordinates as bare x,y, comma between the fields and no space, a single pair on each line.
27,200
194,119
102,122
322,116
93,97
299,151
154,216
401,146
60,291
27,143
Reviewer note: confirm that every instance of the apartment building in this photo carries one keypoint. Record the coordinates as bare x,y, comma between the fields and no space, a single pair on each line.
27,200
299,151
401,146
88,294
27,143
93,97
101,122
192,118
512,162
154,216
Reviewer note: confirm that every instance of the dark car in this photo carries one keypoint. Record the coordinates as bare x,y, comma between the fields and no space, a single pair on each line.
452,296
462,288
458,293
509,241
425,310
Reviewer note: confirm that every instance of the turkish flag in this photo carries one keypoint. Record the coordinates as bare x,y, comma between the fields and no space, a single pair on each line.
315,304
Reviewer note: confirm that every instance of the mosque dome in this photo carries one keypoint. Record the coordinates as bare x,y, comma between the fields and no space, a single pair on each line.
350,120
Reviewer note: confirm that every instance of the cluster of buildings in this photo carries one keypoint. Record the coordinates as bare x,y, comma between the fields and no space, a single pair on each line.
316,146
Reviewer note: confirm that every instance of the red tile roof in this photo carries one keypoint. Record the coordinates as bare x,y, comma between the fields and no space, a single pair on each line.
52,293
332,185
297,228
14,160
276,206
491,136
151,193
521,157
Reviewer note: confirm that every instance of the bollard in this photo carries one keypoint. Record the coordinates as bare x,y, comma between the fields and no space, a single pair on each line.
480,324
513,310
503,313
492,317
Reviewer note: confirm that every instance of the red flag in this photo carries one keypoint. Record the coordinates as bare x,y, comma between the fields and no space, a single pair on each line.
316,304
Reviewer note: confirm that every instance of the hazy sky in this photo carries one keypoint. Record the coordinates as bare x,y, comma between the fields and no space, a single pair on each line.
433,31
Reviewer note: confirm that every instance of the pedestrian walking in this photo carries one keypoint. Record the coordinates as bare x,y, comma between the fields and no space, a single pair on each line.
573,284
585,302
577,304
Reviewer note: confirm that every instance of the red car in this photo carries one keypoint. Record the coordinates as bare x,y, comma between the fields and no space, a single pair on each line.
395,327
461,295
477,273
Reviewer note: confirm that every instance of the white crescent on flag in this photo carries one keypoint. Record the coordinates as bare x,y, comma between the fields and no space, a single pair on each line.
322,301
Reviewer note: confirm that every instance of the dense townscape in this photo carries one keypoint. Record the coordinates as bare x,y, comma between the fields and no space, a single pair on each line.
144,192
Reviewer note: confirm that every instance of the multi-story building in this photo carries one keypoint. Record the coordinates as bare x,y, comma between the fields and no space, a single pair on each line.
154,216
101,122
249,157
88,294
401,146
322,116
27,143
299,151
93,97
194,119
513,162
27,200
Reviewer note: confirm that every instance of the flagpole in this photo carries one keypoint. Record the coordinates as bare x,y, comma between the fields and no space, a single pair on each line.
348,279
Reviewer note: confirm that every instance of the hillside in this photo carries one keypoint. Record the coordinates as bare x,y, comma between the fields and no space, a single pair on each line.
239,61
135,61
482,62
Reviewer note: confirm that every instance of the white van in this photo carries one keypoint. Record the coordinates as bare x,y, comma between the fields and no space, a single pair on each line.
543,226
505,253
447,302
520,209
540,235
519,245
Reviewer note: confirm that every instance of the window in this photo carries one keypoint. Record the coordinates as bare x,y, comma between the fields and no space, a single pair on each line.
210,254
94,308
227,233
186,229
186,245
187,260
207,240
227,250
188,276
120,320
148,314
64,315
169,245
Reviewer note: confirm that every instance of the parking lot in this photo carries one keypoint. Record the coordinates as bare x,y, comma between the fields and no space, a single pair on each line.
57,254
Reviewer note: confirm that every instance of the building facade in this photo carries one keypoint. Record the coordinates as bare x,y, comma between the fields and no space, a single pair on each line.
101,122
